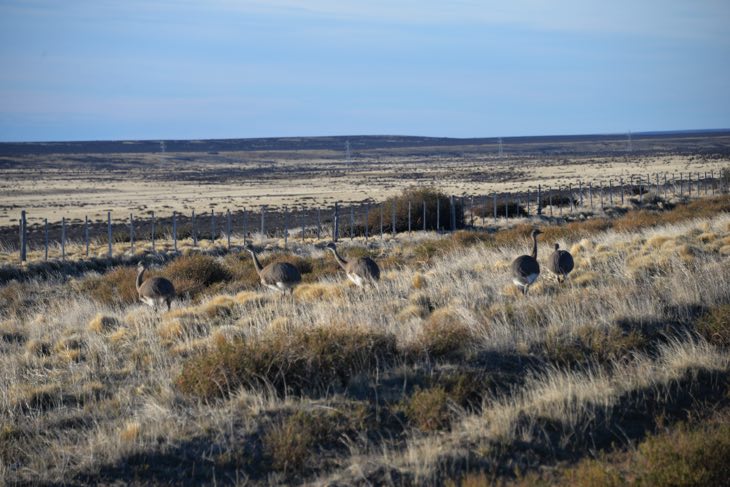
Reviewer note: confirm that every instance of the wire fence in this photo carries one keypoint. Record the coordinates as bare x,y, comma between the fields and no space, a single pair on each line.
366,220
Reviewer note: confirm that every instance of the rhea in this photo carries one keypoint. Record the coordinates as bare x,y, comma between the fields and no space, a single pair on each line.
359,270
279,276
525,268
560,263
155,290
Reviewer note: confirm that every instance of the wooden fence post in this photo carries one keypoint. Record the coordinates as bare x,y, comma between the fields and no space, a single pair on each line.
23,237
153,232
438,214
195,237
550,200
494,207
506,206
63,238
174,231
580,193
560,202
45,224
228,230
570,196
539,200
319,224
212,226
590,194
393,218
409,217
86,234
352,222
424,215
453,213
263,220
245,225
621,182
528,203
286,227
610,192
109,230
336,223
131,231
367,221
381,221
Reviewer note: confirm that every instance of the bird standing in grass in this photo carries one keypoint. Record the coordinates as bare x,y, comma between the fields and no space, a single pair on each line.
279,276
525,268
155,290
359,270
560,263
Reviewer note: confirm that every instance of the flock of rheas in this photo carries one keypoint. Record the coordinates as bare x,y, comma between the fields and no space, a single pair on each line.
283,276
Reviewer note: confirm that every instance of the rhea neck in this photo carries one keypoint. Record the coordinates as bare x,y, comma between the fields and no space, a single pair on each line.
140,274
256,262
534,246
338,258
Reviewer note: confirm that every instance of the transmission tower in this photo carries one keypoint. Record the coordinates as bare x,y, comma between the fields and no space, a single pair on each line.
162,146
500,147
348,156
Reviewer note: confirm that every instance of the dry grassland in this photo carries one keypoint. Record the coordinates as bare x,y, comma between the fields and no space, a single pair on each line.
441,374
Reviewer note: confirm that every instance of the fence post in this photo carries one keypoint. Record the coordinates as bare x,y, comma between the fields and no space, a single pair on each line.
570,196
539,200
86,234
286,227
665,186
471,212
109,229
381,221
704,183
550,200
424,215
452,206
245,225
494,207
263,220
319,223
698,185
153,232
336,223
560,202
712,180
393,218
367,221
590,194
63,238
352,222
528,204
212,226
506,207
195,236
131,231
23,237
680,184
621,182
409,217
641,189
301,222
484,211
438,214
600,193
610,192
228,222
45,224
656,185
580,193
689,184
174,231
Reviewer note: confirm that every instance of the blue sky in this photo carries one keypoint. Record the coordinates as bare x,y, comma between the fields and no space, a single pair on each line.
164,69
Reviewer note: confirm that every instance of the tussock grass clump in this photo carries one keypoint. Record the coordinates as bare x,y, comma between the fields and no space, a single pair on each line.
715,326
444,334
193,274
306,360
114,288
294,444
103,324
591,344
428,409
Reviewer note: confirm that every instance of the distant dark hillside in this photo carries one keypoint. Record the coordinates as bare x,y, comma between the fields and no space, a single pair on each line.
695,141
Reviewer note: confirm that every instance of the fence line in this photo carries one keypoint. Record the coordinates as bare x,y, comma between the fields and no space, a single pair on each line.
515,205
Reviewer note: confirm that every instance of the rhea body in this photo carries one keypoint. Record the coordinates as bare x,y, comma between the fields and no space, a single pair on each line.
560,263
155,290
279,276
525,268
360,270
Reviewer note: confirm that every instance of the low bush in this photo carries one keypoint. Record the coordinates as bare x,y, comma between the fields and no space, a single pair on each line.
438,210
715,326
114,288
193,274
428,409
305,361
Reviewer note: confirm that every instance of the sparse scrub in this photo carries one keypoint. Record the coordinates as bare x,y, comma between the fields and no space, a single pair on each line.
194,274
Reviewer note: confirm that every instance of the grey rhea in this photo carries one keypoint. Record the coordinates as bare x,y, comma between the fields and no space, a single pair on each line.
155,290
560,263
525,268
359,270
279,276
